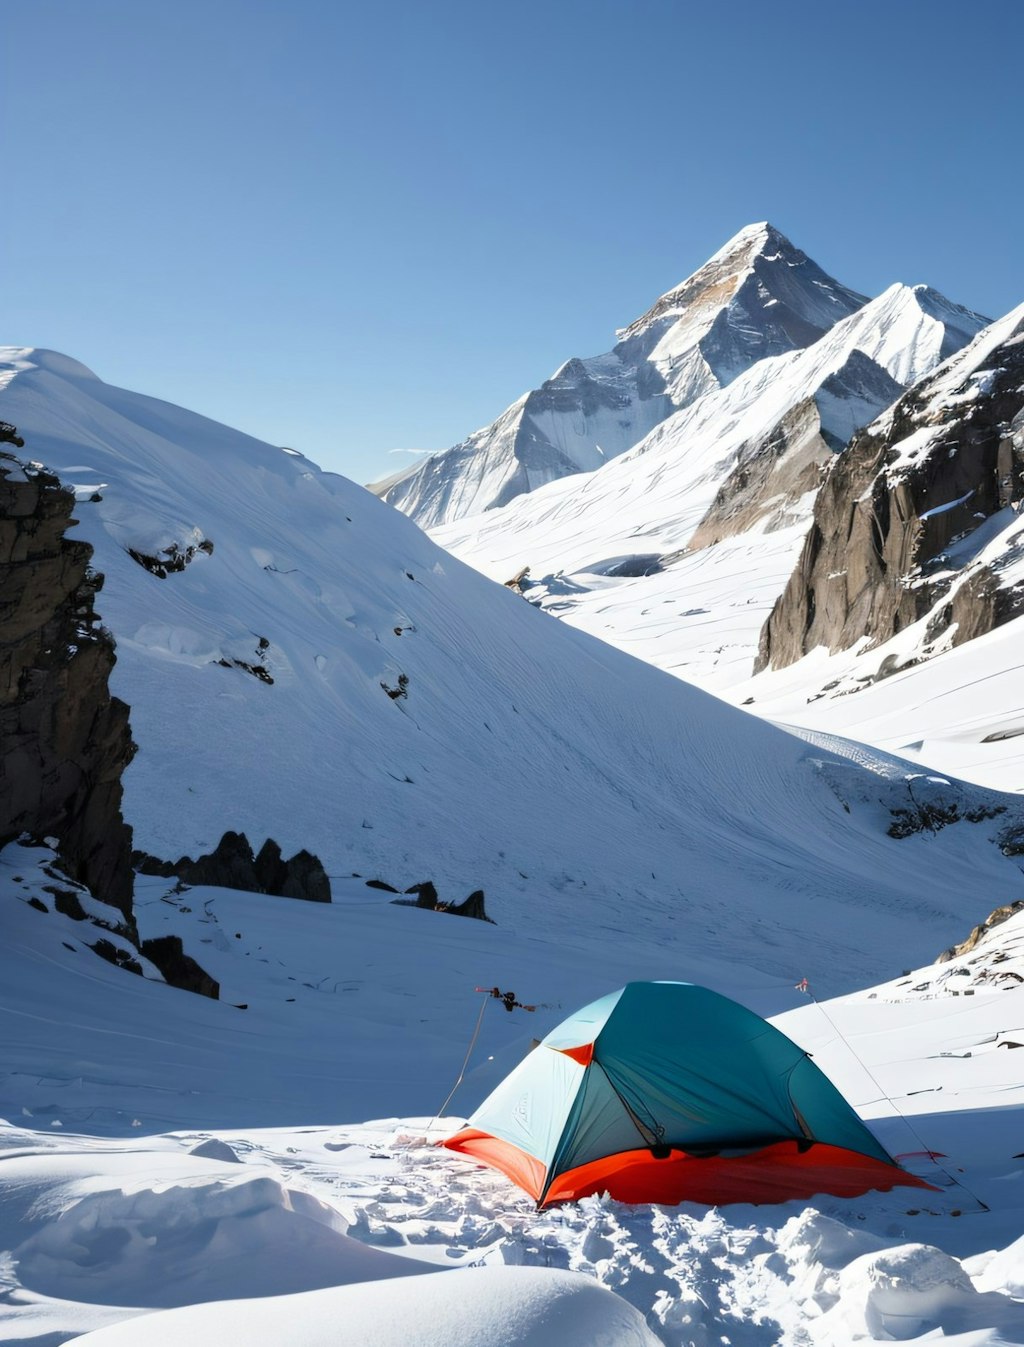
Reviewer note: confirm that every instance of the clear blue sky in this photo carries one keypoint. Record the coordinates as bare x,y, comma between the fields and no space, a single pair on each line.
357,228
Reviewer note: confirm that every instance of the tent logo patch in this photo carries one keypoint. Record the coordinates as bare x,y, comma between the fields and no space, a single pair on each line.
521,1112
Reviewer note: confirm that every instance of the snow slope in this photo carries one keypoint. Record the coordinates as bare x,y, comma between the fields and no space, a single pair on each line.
493,1307
574,784
758,296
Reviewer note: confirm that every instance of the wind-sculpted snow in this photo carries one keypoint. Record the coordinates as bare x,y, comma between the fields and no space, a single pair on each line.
188,1236
498,1307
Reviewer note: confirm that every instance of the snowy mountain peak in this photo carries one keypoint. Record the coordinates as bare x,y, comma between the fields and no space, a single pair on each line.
908,330
960,322
752,241
781,274
758,296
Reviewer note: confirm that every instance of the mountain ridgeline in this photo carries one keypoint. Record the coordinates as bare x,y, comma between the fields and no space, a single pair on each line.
678,548
757,297
918,520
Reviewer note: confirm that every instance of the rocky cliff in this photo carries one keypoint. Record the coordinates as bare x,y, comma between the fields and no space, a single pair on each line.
917,521
774,471
66,741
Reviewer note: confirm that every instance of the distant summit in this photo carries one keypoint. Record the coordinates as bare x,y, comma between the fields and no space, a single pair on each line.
757,296
762,260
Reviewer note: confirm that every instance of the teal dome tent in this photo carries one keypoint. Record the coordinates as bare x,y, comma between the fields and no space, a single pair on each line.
668,1092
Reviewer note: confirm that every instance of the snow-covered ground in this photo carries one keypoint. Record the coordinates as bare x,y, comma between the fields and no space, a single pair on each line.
962,712
623,825
165,1152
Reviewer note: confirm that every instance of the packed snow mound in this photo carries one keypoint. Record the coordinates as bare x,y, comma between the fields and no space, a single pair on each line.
486,1307
1001,1270
913,1293
193,1240
853,1287
37,357
757,297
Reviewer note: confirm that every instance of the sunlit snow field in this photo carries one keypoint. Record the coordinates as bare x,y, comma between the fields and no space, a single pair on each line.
623,826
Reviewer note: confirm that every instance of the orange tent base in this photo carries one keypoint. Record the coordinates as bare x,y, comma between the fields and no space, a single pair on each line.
524,1170
776,1173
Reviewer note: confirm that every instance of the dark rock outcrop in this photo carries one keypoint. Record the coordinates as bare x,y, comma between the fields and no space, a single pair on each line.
171,559
519,583
428,898
301,877
167,954
232,865
256,666
473,906
876,559
400,690
770,475
426,895
775,470
66,741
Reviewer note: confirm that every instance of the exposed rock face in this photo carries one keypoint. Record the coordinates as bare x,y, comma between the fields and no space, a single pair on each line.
66,741
775,471
168,954
173,558
232,865
994,919
905,520
427,897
